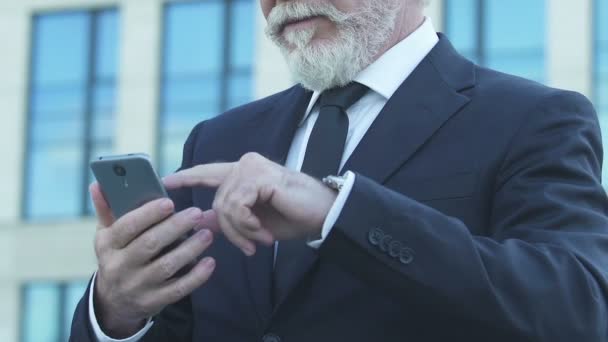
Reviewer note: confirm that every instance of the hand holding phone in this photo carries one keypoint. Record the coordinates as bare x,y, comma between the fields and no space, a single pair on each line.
138,275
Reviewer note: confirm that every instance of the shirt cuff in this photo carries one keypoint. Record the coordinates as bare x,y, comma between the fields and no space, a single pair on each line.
336,209
99,335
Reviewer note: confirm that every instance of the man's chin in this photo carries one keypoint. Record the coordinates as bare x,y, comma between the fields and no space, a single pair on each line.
314,74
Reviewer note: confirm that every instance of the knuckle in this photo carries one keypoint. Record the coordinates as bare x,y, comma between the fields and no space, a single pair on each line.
218,206
110,268
151,242
130,224
100,244
131,227
250,157
285,179
166,267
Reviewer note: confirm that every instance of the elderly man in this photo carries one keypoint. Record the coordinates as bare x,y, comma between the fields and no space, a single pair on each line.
397,193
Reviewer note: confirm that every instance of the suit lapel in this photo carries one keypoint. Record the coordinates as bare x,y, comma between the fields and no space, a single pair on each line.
419,107
272,136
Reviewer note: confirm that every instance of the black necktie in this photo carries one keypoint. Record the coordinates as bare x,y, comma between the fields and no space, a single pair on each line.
323,155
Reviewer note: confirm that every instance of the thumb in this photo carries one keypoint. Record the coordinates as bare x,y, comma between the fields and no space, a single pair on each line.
104,213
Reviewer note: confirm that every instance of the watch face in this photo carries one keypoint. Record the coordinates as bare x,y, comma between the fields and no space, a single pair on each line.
334,182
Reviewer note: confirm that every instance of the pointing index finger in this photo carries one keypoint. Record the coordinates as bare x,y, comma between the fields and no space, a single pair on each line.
208,175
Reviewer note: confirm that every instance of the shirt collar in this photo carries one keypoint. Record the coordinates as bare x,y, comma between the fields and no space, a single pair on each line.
391,69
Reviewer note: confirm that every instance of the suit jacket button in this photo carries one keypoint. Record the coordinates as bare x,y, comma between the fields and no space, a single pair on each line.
375,235
406,256
386,240
271,338
394,248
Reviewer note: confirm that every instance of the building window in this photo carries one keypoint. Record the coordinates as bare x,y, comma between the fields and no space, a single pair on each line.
207,67
72,95
48,308
484,31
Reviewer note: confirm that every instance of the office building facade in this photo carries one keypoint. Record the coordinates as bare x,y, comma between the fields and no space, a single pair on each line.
83,78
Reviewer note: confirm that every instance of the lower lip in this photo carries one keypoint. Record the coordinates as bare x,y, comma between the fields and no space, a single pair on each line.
302,24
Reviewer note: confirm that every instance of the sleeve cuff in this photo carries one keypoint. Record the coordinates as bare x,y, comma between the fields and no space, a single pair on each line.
99,334
335,210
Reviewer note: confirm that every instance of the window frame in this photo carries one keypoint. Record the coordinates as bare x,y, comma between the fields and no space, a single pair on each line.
62,287
482,54
227,69
88,108
480,21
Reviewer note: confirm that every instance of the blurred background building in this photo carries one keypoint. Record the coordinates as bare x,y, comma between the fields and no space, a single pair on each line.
83,78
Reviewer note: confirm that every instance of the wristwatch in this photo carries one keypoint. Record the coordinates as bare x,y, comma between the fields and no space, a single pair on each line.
335,182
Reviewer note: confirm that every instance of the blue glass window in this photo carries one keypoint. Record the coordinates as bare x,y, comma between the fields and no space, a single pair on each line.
484,31
600,77
71,108
48,308
207,67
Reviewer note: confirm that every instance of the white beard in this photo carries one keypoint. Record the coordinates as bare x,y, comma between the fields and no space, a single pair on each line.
323,65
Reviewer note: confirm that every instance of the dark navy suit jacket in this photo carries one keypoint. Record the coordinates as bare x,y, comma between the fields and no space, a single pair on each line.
477,214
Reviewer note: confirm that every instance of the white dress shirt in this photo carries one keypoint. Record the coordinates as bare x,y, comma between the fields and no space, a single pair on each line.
382,77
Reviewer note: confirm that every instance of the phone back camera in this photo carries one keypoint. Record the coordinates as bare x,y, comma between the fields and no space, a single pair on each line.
120,171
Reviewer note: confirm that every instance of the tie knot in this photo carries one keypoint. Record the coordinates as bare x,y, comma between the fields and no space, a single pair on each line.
343,97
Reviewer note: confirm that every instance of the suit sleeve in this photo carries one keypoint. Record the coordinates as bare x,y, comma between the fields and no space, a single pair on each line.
174,323
540,274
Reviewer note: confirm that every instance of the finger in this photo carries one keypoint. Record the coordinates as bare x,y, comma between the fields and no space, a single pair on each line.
235,237
263,236
251,228
188,251
179,288
239,202
223,210
210,175
209,221
248,225
135,222
102,209
152,242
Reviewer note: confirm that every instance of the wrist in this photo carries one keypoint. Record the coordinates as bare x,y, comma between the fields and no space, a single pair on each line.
119,327
327,197
111,323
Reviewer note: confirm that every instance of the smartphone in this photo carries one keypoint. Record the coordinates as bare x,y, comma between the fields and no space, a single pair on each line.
127,181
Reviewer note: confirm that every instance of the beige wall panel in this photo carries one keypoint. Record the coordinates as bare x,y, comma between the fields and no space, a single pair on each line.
55,251
270,71
9,287
9,311
434,10
139,76
569,44
14,34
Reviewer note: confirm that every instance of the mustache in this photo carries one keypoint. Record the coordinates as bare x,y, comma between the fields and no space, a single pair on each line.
289,12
